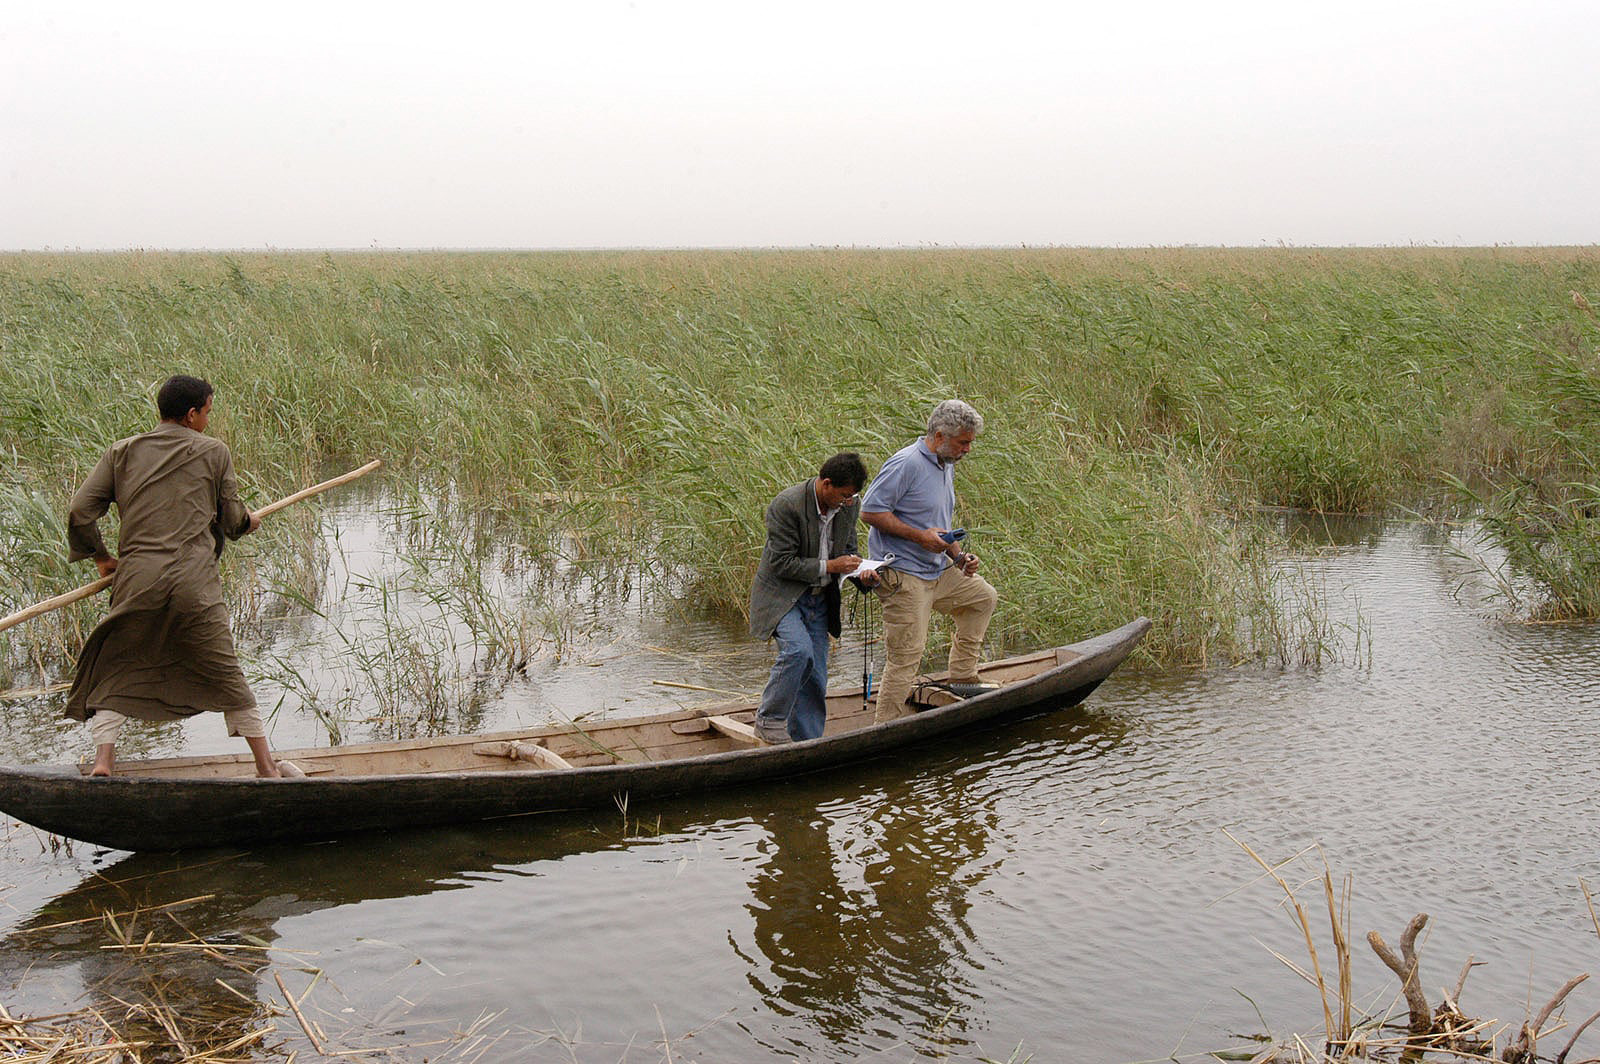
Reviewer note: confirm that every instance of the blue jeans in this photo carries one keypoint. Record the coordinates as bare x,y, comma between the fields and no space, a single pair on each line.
797,690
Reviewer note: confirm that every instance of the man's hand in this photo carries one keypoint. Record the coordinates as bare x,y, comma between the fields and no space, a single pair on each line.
929,539
106,565
255,523
844,563
968,564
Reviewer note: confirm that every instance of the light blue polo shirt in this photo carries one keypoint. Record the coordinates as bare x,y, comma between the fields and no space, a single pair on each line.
920,490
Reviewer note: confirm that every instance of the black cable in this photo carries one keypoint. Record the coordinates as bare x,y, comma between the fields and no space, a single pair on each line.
863,610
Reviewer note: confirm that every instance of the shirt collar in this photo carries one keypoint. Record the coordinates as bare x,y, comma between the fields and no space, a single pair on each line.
818,503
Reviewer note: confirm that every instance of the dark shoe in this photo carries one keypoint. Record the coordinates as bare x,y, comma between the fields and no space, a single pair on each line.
943,692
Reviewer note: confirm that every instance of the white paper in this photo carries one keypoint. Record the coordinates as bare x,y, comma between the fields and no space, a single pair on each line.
870,565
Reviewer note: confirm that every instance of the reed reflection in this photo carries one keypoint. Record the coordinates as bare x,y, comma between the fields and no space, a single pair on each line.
1307,529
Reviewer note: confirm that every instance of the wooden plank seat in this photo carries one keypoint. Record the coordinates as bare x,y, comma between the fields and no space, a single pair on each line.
734,729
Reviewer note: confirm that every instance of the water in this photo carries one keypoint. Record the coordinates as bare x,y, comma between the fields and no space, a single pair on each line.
1066,886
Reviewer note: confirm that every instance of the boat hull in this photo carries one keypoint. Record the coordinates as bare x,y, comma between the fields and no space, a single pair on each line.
133,812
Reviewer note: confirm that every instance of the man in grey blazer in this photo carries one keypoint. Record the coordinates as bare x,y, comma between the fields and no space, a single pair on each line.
811,542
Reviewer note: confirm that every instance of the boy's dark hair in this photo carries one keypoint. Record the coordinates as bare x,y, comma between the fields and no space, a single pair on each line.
181,394
844,470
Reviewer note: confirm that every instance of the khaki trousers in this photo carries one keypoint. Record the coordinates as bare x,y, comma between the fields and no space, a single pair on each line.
908,605
106,724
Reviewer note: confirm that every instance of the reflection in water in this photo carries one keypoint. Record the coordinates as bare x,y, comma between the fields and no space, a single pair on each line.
1306,529
128,945
860,907
845,902
184,951
881,956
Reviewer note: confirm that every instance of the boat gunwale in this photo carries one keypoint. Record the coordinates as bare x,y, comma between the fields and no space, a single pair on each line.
534,732
204,812
891,732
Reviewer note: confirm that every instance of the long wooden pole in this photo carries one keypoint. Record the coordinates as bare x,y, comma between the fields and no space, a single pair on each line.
104,582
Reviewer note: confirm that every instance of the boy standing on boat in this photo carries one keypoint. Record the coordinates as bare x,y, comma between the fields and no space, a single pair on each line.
811,541
910,511
164,651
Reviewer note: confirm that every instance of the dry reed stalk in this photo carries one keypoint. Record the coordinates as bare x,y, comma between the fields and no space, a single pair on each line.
1582,304
1561,1057
46,1043
1341,945
1525,1050
1461,980
1588,900
244,1040
214,948
294,1007
1304,921
104,914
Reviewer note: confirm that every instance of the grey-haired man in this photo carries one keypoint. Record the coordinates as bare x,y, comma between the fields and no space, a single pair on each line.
910,509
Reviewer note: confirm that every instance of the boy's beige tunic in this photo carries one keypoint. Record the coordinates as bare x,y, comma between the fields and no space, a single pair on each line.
164,651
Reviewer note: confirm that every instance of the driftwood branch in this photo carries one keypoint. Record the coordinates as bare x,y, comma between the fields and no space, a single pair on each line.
1526,1048
1561,1057
1405,968
1461,980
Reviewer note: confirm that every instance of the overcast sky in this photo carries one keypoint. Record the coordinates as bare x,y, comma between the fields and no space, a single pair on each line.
610,123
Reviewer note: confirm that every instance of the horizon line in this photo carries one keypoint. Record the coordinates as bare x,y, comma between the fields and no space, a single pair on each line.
345,249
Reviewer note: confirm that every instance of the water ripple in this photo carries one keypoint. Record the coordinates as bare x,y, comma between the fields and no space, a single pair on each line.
1067,884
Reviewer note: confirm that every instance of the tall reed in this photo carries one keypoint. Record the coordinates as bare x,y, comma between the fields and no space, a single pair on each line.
1139,404
1541,507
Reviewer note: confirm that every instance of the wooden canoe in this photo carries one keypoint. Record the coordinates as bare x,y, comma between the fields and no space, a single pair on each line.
193,802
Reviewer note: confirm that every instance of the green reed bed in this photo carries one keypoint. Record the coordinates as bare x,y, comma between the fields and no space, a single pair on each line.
1540,505
645,406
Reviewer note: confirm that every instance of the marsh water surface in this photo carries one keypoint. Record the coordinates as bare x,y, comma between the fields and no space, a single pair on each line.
1062,888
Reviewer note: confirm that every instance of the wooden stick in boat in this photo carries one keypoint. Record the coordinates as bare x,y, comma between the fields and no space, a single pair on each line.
697,687
104,582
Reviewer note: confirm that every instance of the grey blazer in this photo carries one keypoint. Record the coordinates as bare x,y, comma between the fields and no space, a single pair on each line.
789,560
